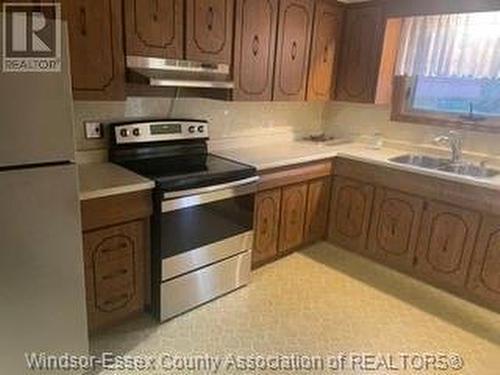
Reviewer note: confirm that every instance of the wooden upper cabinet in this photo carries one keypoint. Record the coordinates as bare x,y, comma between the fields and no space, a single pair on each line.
293,208
267,217
446,242
209,30
154,28
292,55
350,211
255,43
96,48
325,43
362,40
318,197
484,275
394,229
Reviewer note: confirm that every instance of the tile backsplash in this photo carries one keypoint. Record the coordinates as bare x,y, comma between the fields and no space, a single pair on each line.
354,120
227,119
286,120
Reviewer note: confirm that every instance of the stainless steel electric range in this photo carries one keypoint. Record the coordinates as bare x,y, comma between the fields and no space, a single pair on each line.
202,226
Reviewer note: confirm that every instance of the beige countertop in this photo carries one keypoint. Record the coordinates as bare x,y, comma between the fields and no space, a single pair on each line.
99,180
289,153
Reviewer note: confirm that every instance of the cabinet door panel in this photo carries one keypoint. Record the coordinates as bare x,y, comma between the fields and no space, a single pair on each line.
394,229
351,205
209,30
114,272
255,35
327,22
96,47
317,209
293,208
267,217
446,243
154,28
292,57
360,56
484,279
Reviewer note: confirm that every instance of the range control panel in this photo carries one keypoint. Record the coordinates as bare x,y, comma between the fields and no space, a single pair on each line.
156,131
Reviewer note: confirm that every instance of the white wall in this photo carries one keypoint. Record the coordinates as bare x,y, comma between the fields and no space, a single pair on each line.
353,120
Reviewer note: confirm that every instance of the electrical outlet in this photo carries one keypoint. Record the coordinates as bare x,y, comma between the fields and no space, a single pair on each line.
93,129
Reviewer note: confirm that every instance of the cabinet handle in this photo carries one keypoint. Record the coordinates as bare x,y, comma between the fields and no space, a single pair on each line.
121,246
294,50
155,10
445,247
83,21
255,45
393,227
415,261
325,55
112,275
112,301
210,18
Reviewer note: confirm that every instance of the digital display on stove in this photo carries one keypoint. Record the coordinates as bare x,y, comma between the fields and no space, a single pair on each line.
165,129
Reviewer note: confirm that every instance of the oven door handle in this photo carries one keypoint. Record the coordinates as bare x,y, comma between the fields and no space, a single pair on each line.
177,200
210,189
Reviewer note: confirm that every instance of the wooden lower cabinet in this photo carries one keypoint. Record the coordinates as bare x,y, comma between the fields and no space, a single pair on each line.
317,210
266,226
446,243
116,256
484,274
292,221
394,229
442,232
350,211
114,272
291,209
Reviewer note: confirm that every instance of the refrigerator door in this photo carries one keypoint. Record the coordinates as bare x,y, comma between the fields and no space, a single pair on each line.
42,295
36,115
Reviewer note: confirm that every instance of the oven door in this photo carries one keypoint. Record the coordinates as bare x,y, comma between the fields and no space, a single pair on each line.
203,226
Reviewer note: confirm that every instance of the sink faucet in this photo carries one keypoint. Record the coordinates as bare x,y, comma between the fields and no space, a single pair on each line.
455,141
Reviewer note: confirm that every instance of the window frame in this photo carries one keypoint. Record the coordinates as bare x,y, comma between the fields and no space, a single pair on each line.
402,111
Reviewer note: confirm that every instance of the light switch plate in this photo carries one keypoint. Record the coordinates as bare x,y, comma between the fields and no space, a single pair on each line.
93,130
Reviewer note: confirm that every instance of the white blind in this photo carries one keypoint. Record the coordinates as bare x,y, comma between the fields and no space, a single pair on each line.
455,45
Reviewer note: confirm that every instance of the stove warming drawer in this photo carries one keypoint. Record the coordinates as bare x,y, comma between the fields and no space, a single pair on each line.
205,255
195,288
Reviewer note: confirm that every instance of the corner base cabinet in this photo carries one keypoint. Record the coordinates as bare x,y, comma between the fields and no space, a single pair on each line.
291,209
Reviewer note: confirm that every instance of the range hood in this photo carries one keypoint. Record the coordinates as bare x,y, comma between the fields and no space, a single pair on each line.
178,73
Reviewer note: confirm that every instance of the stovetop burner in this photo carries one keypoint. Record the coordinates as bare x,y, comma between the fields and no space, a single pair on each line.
174,154
183,173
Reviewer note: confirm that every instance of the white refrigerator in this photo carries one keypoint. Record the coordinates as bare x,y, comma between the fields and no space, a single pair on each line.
42,295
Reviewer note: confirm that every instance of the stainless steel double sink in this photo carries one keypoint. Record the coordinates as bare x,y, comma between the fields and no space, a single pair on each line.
445,165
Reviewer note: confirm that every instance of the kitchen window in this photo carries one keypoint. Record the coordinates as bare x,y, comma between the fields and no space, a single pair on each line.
448,71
